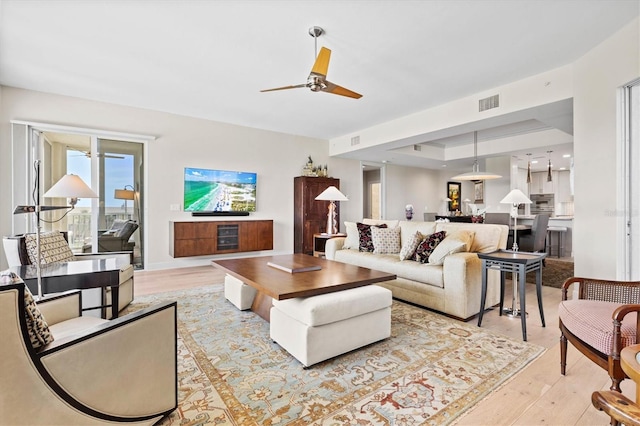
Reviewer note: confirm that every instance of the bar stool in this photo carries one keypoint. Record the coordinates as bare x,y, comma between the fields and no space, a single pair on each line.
560,232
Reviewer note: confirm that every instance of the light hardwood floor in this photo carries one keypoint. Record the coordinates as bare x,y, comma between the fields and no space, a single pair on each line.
538,395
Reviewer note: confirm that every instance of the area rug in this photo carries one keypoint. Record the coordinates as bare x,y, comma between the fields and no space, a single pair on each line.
554,273
430,371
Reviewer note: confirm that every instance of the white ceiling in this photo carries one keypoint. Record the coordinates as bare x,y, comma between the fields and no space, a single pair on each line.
210,59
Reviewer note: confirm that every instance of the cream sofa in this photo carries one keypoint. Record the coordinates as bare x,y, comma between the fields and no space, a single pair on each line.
452,288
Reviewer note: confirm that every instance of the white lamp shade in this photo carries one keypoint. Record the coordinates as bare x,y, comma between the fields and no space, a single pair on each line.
70,186
516,197
332,194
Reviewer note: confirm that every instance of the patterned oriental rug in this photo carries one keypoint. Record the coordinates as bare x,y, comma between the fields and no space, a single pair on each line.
430,371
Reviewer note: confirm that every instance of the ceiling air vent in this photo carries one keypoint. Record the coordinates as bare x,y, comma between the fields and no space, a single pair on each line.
489,103
355,140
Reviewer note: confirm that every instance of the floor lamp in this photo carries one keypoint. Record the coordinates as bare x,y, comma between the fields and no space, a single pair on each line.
515,198
125,194
332,194
70,186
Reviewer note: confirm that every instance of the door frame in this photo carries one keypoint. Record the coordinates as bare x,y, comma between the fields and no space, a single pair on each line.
23,157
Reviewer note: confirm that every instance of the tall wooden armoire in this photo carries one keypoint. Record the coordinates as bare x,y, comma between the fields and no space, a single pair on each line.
309,215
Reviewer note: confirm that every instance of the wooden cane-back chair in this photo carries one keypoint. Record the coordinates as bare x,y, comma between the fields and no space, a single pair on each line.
600,322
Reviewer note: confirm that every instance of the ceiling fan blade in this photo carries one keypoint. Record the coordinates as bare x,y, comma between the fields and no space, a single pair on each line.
321,66
339,90
284,88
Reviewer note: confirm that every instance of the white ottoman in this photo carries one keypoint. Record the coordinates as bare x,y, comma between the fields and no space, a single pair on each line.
317,328
238,293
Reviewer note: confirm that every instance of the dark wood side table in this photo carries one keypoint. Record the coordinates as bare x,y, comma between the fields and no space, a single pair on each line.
320,241
518,263
76,275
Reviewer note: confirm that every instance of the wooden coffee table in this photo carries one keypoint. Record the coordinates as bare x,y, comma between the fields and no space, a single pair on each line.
271,282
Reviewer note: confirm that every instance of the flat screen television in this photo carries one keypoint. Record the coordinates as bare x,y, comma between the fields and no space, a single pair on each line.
219,191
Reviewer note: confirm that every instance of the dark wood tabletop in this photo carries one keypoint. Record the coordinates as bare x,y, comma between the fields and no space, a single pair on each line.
279,284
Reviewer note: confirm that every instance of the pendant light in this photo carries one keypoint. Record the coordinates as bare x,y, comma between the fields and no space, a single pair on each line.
476,174
549,177
529,168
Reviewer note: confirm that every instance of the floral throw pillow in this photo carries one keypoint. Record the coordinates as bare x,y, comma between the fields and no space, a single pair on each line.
364,233
427,246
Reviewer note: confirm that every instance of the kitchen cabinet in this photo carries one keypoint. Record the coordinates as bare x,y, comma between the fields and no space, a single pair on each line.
563,192
540,185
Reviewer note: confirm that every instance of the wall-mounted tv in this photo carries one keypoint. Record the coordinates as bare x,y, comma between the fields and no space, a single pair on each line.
219,191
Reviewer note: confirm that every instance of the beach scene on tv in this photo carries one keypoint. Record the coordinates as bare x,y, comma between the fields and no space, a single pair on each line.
219,191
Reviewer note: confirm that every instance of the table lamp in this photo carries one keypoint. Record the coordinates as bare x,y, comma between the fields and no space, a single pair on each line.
332,194
515,197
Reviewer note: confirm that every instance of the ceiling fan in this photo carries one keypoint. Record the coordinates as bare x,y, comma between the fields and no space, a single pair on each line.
317,81
88,154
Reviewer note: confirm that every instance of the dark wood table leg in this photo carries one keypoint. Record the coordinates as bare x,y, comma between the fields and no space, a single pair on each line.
522,279
483,295
115,301
539,292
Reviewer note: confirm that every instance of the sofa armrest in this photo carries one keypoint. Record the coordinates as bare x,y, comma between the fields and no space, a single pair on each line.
462,274
100,372
61,307
333,245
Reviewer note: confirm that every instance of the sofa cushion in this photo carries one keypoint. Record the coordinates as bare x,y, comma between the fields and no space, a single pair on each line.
409,228
411,245
37,327
486,238
592,322
446,247
53,248
385,240
427,245
352,241
364,235
391,264
388,223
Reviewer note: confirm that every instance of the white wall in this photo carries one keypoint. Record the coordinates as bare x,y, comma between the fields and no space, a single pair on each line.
598,236
182,141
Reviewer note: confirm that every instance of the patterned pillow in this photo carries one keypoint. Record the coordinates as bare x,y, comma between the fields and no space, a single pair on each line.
410,246
446,247
53,248
426,246
37,326
385,240
364,234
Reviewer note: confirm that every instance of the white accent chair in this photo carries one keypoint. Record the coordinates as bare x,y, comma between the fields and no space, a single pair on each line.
238,293
94,372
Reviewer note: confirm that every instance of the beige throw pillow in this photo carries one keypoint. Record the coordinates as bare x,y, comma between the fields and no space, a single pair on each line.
53,248
385,240
445,248
353,237
410,246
